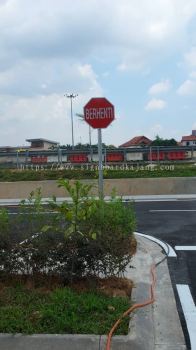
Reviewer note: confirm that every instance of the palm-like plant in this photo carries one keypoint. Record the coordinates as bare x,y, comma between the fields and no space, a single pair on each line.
81,116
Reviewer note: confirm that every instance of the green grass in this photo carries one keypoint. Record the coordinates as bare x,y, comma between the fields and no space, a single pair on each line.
60,311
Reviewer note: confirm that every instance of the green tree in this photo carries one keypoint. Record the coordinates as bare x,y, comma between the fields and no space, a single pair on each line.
164,142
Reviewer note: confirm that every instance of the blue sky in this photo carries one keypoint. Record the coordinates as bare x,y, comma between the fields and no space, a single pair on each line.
141,55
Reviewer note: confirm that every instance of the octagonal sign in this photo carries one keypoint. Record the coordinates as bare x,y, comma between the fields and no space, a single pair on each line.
99,112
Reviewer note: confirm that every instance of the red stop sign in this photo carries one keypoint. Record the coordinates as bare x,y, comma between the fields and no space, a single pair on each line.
99,112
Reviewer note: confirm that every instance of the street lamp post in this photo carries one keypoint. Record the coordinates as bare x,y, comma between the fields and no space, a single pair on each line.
72,96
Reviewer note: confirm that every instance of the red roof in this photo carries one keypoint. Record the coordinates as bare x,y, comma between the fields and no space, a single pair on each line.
137,141
189,138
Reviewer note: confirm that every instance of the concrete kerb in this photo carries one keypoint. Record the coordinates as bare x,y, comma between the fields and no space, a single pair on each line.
147,198
154,327
163,313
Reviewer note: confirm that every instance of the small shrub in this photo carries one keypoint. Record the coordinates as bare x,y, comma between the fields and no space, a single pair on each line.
81,238
111,225
98,233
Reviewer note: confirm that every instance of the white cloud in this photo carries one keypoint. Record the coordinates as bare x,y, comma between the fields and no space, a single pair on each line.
155,104
49,48
41,116
152,28
136,30
133,59
161,87
187,88
30,78
46,115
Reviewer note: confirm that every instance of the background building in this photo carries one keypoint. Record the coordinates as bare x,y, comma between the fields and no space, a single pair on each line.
189,140
137,141
42,144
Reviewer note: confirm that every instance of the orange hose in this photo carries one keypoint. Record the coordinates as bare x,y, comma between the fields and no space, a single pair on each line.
134,307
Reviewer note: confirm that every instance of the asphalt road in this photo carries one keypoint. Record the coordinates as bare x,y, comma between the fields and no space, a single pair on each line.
175,223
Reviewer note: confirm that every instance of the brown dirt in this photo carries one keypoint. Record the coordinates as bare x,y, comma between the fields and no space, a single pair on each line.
112,286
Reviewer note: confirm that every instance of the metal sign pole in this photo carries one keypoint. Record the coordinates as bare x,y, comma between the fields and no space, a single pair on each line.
100,164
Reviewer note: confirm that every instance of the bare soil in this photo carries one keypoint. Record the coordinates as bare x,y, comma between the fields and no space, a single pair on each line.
112,286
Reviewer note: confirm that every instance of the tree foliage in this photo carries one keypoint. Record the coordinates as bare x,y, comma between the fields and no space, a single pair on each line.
164,142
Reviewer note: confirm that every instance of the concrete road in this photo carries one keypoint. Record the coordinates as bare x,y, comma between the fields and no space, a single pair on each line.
175,223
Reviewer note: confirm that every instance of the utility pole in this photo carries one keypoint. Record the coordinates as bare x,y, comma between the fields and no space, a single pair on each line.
72,96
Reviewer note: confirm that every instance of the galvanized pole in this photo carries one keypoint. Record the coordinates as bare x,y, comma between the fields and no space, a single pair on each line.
17,159
158,154
71,96
100,165
90,143
72,132
59,155
150,155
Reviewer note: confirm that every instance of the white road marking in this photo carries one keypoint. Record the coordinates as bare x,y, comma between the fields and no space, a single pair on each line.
170,210
167,248
189,311
186,247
